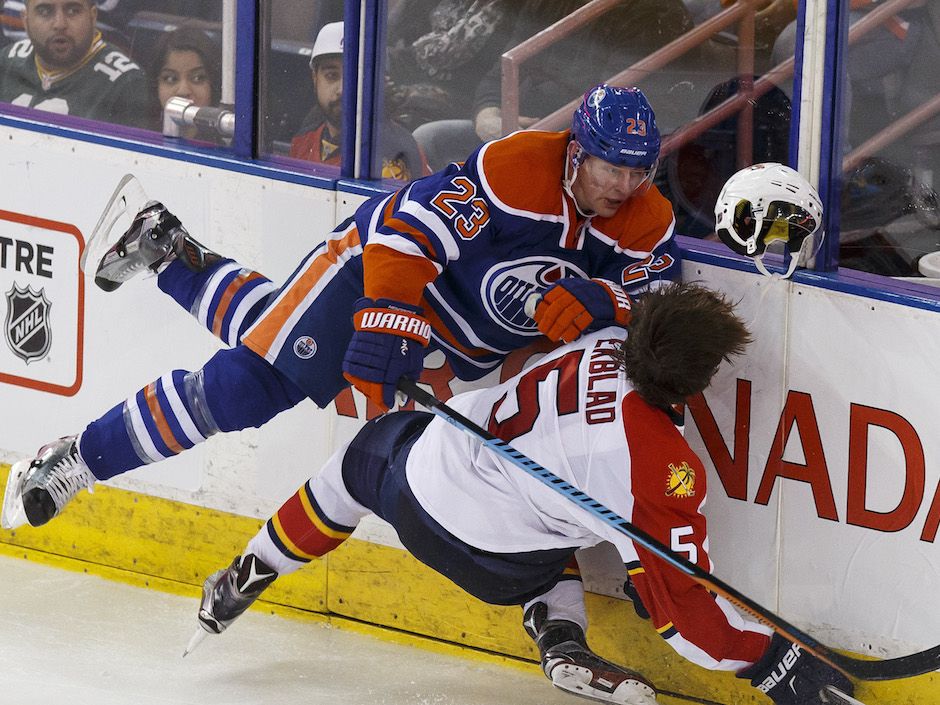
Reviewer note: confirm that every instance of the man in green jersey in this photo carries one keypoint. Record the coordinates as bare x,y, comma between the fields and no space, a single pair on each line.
65,67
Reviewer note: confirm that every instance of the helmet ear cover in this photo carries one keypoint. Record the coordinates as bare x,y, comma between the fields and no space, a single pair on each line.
577,159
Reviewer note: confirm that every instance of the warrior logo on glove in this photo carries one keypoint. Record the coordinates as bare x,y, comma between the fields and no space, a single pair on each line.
386,321
379,353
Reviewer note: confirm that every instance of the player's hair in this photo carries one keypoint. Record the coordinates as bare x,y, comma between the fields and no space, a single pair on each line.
679,335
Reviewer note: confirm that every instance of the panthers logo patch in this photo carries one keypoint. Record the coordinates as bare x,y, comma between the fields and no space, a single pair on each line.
681,481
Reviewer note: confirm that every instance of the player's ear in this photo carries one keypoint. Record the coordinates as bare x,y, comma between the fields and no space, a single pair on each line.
573,148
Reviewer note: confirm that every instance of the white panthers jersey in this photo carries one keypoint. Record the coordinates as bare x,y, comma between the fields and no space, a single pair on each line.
565,414
576,413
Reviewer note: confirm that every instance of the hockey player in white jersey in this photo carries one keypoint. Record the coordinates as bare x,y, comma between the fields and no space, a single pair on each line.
598,412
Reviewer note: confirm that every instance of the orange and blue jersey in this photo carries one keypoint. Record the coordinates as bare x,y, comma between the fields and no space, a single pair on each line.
471,243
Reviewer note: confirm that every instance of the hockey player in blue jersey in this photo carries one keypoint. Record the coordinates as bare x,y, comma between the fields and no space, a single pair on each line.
445,263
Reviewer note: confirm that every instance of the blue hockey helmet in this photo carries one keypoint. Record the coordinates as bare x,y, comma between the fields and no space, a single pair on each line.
617,125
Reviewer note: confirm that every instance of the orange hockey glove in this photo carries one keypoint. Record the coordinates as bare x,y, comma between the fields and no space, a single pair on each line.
573,305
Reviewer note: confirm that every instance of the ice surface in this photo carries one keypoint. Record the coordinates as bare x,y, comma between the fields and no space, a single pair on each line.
74,639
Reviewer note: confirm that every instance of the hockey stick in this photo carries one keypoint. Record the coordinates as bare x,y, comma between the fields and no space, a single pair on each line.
875,670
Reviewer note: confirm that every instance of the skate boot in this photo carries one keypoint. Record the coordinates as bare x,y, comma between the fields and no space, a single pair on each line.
572,666
38,489
154,239
227,593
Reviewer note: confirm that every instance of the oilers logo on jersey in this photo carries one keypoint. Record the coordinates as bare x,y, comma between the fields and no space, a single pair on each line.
507,285
305,347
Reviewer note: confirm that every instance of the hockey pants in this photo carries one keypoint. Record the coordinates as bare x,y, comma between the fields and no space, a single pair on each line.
235,389
367,476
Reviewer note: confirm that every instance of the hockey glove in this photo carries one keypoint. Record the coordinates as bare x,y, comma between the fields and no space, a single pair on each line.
388,344
788,675
572,305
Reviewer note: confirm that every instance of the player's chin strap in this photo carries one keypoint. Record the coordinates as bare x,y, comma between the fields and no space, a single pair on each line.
567,181
795,258
887,669
794,262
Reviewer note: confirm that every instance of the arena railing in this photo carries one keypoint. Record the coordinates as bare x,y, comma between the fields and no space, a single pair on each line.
741,13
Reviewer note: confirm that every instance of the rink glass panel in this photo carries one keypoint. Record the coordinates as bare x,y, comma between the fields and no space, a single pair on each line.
288,30
137,30
889,207
890,222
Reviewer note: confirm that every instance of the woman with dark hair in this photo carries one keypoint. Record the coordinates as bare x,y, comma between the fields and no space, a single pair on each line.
187,64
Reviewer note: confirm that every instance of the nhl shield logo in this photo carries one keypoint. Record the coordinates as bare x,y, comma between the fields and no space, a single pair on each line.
27,323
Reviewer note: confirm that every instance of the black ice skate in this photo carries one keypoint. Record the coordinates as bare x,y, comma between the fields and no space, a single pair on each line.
39,488
155,238
226,594
572,666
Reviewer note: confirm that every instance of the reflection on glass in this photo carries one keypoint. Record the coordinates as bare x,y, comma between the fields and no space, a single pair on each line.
65,65
115,61
289,107
304,122
187,64
890,220
699,160
451,91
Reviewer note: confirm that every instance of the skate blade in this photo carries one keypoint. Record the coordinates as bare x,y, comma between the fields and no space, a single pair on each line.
578,681
14,514
126,201
195,641
834,696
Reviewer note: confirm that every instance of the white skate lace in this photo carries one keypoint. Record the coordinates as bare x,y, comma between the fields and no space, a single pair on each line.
68,477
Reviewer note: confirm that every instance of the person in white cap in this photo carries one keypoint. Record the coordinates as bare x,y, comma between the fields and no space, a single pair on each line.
320,136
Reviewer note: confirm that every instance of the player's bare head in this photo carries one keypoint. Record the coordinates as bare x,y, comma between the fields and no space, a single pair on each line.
61,30
679,335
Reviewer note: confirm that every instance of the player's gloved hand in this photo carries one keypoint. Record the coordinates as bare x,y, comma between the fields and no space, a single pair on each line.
572,305
388,344
788,675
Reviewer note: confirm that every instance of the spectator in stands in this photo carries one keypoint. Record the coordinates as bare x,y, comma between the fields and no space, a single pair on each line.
595,52
64,66
187,64
320,135
438,52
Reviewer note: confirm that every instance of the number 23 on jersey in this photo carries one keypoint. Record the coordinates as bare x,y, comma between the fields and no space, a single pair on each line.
461,205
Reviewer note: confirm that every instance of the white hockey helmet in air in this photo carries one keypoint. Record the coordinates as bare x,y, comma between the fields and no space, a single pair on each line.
765,205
